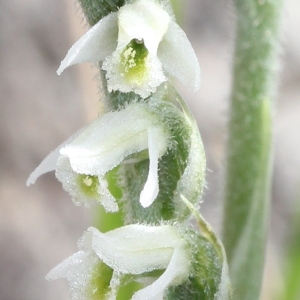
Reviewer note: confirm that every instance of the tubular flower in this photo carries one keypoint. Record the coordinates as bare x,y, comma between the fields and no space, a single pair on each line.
97,269
139,46
82,162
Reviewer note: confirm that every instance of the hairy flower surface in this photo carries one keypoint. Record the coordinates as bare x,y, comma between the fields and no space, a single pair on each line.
82,162
139,45
104,258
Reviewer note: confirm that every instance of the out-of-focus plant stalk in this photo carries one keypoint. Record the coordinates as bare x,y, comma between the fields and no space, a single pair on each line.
94,10
178,8
249,156
291,265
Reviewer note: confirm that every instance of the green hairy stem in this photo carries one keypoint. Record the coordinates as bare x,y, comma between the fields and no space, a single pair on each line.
249,145
95,10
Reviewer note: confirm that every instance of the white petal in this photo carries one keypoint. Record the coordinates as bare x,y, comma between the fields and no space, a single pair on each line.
144,20
136,249
150,190
96,44
177,270
178,57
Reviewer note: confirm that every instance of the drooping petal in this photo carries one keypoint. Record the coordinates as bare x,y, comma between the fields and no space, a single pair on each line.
178,57
144,20
150,190
95,45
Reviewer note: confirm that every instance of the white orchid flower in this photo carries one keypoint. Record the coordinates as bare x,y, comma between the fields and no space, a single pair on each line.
97,269
82,162
139,45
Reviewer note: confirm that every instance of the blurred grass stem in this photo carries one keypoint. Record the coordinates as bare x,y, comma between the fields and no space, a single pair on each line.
249,153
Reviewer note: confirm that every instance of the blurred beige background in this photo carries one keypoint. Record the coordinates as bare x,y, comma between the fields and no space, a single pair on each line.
39,225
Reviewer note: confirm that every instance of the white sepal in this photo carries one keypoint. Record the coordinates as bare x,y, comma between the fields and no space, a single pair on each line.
96,44
178,57
48,164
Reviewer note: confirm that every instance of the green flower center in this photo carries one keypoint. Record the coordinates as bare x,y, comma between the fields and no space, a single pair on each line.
99,282
133,61
88,185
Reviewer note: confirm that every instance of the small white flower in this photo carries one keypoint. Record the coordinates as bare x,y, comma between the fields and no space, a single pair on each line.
82,162
97,269
139,45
